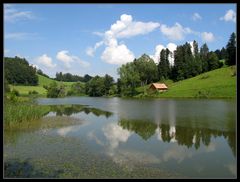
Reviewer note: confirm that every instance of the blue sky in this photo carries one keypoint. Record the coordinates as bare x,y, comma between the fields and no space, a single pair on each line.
98,38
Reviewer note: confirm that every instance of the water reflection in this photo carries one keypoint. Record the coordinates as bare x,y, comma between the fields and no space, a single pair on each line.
69,129
60,121
232,168
192,138
184,135
177,153
127,157
43,125
145,129
68,110
214,114
116,134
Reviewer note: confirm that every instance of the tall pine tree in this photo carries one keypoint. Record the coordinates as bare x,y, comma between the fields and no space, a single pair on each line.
163,65
231,50
189,70
178,68
204,57
213,61
197,60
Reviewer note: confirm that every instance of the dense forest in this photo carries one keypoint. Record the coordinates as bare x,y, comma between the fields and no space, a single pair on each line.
18,71
68,77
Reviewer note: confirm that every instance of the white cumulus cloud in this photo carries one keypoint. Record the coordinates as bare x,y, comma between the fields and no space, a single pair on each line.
90,51
131,28
46,61
156,56
126,27
229,16
172,47
118,54
196,17
67,59
191,43
207,36
176,32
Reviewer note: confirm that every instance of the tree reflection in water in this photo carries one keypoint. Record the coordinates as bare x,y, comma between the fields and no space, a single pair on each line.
145,129
68,110
184,135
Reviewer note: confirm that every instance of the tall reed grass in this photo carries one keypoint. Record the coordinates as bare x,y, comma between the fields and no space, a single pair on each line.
18,112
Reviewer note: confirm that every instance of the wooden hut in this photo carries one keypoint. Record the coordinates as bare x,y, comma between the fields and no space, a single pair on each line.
158,86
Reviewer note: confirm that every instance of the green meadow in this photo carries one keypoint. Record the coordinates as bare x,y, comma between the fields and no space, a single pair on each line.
219,83
24,90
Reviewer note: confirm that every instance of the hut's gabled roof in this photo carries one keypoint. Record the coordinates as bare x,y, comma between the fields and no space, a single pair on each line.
159,85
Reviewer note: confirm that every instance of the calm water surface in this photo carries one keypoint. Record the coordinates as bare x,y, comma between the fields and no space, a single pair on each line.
83,137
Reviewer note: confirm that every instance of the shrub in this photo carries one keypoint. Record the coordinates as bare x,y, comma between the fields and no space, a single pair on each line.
15,92
202,94
34,92
205,77
54,91
70,92
221,64
233,71
13,97
45,86
6,86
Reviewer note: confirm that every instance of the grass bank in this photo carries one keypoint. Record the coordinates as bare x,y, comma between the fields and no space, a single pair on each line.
219,83
42,80
22,111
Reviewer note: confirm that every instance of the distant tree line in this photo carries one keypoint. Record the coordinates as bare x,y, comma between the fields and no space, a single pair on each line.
18,71
99,86
68,77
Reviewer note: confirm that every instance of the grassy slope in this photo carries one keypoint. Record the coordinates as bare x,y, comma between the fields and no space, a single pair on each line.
216,83
23,90
46,81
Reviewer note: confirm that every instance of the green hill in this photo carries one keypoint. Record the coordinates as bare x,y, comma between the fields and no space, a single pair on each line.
219,83
42,80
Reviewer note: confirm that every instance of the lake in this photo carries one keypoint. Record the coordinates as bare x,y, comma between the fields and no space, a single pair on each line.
89,137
